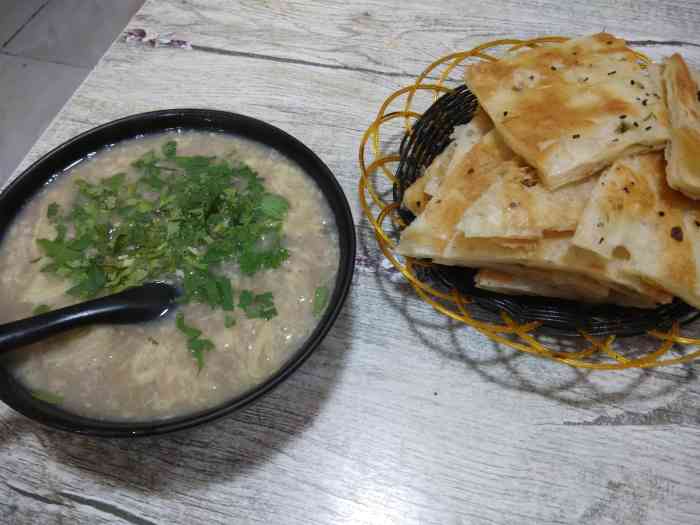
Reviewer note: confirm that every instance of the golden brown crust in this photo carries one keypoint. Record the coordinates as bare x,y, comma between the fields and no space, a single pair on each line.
464,137
518,206
555,252
683,152
464,181
520,280
653,231
570,109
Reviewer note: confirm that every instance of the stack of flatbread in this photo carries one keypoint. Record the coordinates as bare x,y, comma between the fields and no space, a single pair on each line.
576,179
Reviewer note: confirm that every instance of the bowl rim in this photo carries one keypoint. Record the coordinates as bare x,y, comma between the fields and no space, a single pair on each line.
31,180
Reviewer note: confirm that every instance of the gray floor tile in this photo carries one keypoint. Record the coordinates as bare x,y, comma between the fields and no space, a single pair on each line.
14,14
74,32
32,93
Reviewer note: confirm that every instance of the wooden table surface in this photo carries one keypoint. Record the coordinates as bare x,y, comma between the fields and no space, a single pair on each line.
400,417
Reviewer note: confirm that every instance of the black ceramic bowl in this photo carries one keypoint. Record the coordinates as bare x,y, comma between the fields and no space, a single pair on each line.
33,178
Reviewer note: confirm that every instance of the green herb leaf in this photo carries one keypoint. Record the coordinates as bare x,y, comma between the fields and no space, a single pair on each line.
245,299
52,211
321,295
169,149
197,348
225,293
229,321
190,331
200,344
41,309
47,397
274,206
196,345
260,306
115,181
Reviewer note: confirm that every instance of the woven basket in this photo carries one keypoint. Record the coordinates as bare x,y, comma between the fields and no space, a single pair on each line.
515,321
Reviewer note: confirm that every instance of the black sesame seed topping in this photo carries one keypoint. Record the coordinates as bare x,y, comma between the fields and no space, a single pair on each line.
636,124
697,223
553,68
626,189
632,82
532,77
661,213
644,102
576,136
612,73
505,113
677,233
647,128
601,240
623,116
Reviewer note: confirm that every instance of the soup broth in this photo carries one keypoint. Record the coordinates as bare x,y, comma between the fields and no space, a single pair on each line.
150,370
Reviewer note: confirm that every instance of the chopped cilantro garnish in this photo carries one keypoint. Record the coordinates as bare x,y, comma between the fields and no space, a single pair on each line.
225,293
169,149
195,343
274,206
229,321
41,309
258,306
47,397
190,331
320,300
53,210
182,218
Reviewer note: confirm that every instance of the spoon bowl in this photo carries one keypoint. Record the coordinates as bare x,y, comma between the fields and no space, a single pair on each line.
142,303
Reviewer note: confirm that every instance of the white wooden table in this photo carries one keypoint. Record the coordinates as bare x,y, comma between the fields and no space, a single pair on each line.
399,417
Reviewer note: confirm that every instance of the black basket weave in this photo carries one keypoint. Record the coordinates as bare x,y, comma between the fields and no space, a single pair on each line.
429,137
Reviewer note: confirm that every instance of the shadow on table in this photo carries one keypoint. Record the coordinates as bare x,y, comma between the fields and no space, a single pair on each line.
224,449
512,369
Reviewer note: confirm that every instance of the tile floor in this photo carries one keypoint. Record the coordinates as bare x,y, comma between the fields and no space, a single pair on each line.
47,47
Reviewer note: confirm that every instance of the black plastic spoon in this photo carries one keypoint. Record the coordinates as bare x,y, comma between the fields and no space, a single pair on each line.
142,303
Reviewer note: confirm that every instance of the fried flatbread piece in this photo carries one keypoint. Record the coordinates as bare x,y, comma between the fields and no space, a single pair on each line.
573,108
520,280
636,220
551,253
518,206
681,87
462,184
464,138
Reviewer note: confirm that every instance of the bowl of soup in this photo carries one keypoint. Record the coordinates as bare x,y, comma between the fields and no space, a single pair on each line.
247,222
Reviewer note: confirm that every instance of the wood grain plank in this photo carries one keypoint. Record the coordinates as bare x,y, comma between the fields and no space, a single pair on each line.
402,38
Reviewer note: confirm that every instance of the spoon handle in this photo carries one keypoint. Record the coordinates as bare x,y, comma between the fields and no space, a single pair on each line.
130,306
